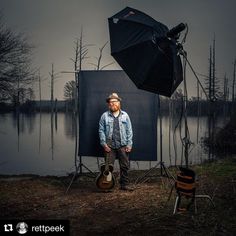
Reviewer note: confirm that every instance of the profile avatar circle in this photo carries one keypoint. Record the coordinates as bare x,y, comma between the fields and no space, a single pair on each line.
22,228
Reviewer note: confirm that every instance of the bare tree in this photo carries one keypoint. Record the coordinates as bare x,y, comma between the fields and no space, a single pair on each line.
22,80
213,83
15,58
81,51
69,90
53,76
226,89
233,85
99,59
209,81
40,92
22,95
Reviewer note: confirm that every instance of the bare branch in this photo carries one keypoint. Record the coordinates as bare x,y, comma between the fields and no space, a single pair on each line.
107,65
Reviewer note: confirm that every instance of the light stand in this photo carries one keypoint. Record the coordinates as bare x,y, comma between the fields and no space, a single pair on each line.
186,140
172,34
187,143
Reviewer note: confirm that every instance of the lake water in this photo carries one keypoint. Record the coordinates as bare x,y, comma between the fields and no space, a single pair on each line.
45,145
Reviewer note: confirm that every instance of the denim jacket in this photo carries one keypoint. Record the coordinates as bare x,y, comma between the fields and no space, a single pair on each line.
106,128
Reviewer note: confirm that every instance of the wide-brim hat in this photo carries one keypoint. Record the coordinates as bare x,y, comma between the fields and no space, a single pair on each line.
113,96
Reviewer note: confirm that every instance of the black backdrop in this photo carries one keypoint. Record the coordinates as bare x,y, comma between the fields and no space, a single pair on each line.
94,87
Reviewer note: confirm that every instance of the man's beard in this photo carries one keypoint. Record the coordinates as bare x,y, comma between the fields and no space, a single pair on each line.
115,108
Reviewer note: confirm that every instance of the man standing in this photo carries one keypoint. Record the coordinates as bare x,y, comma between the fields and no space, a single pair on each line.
115,133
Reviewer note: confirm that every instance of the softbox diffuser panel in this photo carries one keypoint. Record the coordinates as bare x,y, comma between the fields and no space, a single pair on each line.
141,47
94,87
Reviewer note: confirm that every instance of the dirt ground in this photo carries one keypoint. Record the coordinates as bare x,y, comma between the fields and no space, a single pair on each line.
145,211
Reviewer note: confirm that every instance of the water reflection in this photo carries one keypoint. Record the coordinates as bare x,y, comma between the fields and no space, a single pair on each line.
45,144
35,144
40,131
23,122
52,135
70,126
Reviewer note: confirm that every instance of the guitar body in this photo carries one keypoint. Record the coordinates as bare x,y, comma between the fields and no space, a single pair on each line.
105,180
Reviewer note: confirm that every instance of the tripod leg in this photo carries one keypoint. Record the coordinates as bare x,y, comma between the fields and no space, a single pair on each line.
88,169
76,174
177,203
168,174
138,180
72,180
170,194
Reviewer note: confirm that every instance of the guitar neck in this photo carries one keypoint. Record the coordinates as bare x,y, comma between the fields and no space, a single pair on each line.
109,141
106,161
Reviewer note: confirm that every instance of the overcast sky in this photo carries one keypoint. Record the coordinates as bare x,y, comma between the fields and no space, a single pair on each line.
53,25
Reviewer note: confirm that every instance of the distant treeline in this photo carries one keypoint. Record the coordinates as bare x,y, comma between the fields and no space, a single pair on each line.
37,106
196,108
168,107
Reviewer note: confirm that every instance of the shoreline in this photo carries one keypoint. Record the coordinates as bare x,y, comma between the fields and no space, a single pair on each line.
145,211
220,158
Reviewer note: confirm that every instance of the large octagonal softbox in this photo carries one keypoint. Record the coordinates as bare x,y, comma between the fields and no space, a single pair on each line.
141,47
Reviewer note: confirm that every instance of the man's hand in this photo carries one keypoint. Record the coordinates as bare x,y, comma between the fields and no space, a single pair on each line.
128,149
106,148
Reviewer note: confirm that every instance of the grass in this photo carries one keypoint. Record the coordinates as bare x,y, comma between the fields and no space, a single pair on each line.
220,169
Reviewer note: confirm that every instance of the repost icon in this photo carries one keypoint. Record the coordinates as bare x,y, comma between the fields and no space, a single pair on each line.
8,227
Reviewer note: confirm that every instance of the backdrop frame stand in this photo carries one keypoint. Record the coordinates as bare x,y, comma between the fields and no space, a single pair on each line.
78,164
161,164
146,175
79,172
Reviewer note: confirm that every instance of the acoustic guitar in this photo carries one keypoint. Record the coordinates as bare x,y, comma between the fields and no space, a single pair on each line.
106,180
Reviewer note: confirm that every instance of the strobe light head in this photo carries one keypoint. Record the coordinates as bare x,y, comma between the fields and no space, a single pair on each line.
174,32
